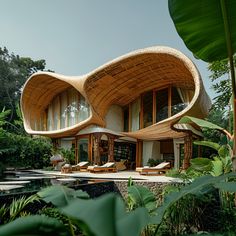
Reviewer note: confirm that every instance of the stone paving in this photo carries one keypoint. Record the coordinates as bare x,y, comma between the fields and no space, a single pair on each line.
120,175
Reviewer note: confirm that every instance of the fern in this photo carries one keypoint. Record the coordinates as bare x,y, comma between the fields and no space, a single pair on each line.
17,206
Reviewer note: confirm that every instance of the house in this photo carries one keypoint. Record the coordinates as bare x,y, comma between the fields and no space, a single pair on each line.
125,110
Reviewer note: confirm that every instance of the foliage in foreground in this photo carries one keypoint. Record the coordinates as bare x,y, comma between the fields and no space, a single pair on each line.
107,215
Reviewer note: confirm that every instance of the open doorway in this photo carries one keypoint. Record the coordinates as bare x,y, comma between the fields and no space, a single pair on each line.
83,149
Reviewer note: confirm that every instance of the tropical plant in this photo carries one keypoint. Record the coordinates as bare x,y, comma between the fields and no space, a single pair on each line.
35,225
24,151
204,125
109,211
220,164
16,209
68,155
207,29
199,187
221,118
140,196
153,162
216,164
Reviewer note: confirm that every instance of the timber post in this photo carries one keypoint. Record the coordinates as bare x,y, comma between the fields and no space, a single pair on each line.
188,149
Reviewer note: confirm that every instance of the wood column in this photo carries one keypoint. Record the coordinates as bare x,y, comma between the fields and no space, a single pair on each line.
111,139
188,149
96,151
139,153
90,151
76,151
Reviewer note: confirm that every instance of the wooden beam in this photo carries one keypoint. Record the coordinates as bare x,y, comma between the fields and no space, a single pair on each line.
90,149
188,149
139,153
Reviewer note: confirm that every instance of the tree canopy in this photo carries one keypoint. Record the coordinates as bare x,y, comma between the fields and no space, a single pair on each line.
14,71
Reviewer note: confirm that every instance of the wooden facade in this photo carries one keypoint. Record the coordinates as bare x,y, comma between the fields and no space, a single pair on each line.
120,82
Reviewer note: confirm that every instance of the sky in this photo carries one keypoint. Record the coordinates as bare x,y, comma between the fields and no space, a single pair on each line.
77,36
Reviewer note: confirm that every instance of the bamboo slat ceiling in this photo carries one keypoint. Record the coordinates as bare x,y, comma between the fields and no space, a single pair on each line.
119,82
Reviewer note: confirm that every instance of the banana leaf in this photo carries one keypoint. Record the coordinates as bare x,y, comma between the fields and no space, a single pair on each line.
34,226
210,144
201,123
142,197
61,196
106,216
201,24
201,164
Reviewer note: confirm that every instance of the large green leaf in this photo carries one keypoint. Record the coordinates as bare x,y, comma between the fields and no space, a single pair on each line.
201,164
224,151
228,186
61,196
217,168
142,197
106,216
34,226
210,144
201,25
198,186
201,123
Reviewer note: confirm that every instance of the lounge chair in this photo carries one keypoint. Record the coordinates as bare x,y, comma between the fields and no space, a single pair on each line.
80,166
66,169
156,170
108,167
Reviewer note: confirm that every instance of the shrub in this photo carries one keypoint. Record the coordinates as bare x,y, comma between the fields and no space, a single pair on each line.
153,162
24,151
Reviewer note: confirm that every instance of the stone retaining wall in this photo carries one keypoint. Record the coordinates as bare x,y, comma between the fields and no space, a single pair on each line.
120,186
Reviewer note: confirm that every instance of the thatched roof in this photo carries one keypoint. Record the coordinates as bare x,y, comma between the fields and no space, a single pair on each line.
119,82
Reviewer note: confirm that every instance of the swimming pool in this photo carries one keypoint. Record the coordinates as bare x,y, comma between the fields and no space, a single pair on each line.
28,181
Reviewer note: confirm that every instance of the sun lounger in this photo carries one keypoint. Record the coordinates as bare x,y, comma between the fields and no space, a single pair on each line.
80,166
108,167
156,170
66,169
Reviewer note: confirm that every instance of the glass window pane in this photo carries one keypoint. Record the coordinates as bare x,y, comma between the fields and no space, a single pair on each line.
84,109
177,104
64,112
50,118
135,110
56,113
147,109
67,109
161,104
73,107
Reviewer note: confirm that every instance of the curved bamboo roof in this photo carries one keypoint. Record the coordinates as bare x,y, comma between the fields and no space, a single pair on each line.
120,81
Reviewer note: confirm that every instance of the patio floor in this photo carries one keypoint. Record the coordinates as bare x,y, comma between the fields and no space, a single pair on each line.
120,175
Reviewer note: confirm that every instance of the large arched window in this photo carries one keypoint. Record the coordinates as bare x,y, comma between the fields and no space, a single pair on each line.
66,109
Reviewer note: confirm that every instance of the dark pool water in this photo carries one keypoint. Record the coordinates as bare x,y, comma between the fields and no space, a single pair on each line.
32,181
